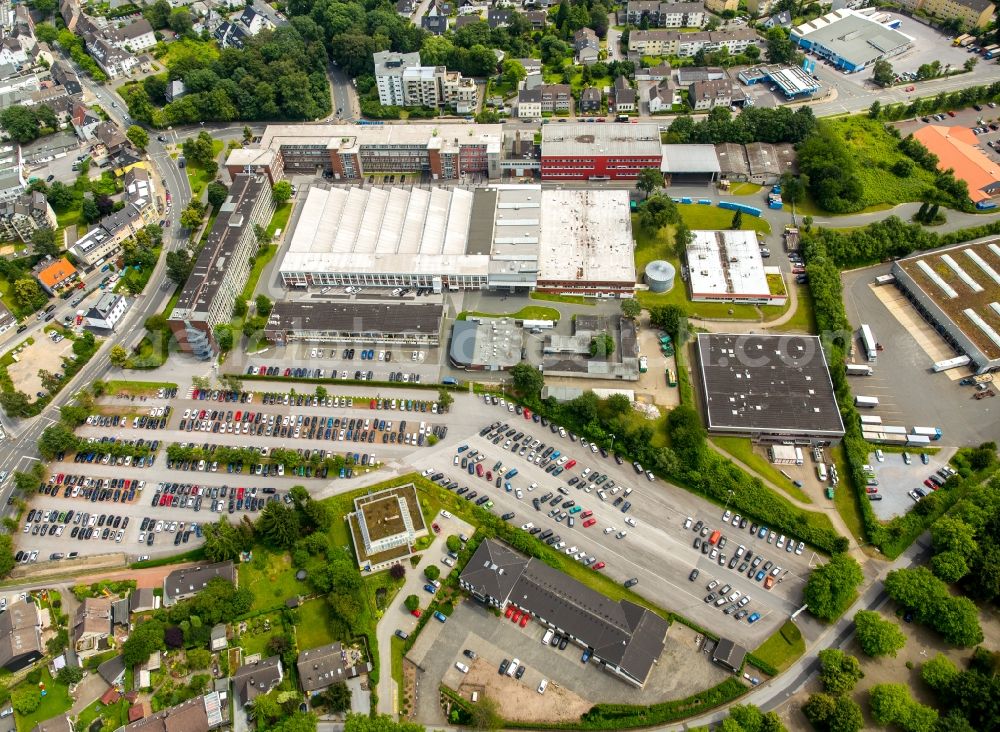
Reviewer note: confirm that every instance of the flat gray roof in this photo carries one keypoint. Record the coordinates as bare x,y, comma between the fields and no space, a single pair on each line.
560,140
852,36
770,384
689,159
488,344
351,317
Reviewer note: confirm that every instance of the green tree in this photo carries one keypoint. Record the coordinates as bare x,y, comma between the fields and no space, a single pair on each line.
28,294
949,566
180,21
179,266
412,602
25,699
513,72
224,336
454,543
137,136
877,637
485,714
144,639
43,241
737,222
70,675
527,379
671,318
281,192
55,439
224,541
118,356
15,403
379,723
198,658
217,193
337,697
832,586
157,14
60,196
649,181
631,308
445,399
602,345
892,704
6,554
939,672
263,305
90,211
432,572
780,49
883,73
192,216
839,671
658,211
278,525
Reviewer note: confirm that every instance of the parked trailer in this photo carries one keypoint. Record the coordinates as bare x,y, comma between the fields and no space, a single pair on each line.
866,401
859,369
990,51
958,41
966,42
918,440
951,363
732,206
871,419
869,342
893,429
884,438
886,279
821,472
933,433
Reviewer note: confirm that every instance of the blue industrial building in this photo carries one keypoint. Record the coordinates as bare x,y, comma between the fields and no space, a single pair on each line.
794,82
852,41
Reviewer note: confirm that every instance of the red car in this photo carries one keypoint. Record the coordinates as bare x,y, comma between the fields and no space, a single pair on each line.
524,619
589,522
910,88
416,613
236,417
489,475
437,529
527,414
930,484
262,370
239,493
371,404
510,609
871,489
479,470
570,464
586,514
516,616
288,372
599,565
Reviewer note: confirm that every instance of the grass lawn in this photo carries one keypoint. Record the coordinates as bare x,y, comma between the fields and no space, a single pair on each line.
844,497
531,312
198,176
116,714
279,220
56,701
741,449
556,297
804,319
258,266
136,387
782,648
744,189
7,296
255,640
313,628
271,578
709,217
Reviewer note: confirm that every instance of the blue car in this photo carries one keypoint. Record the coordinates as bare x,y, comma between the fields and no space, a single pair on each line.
585,657
439,616
753,618
430,588
760,575
763,532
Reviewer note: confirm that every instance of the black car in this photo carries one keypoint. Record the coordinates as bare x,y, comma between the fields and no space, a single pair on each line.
563,643
469,653
520,671
508,516
632,582
503,666
556,639
694,575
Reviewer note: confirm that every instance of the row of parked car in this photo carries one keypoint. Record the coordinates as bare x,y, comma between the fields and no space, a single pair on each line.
98,451
114,490
155,420
218,498
150,527
50,522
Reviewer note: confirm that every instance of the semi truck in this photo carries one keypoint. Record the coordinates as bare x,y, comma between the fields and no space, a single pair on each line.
868,402
917,440
859,369
933,433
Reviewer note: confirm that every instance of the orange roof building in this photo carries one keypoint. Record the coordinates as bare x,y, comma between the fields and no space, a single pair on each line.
54,274
956,148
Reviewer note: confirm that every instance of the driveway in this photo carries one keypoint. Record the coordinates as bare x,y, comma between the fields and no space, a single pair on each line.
398,617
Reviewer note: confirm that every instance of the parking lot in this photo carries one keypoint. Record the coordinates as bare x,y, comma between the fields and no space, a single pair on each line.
971,118
909,392
897,479
572,686
657,550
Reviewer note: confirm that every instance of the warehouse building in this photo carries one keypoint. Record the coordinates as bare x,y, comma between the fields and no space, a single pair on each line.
792,81
726,266
689,164
599,152
350,152
850,40
768,388
514,238
625,640
391,323
222,267
957,290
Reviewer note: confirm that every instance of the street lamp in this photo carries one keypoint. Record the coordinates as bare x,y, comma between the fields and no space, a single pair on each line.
728,500
612,442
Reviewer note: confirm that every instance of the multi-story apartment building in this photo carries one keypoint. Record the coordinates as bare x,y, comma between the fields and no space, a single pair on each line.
22,216
222,267
973,13
673,43
459,92
587,46
659,14
12,181
389,68
704,95
105,240
349,152
590,100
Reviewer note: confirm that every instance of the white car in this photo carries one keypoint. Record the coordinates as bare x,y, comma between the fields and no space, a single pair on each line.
312,353
461,667
572,550
687,522
800,547
532,487
621,534
448,561
609,529
630,521
727,515
542,685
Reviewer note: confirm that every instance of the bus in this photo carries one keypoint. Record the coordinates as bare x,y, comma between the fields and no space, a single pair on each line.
671,378
866,401
859,369
869,342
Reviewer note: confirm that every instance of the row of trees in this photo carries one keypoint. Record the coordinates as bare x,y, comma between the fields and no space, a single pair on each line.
955,618
753,124
24,123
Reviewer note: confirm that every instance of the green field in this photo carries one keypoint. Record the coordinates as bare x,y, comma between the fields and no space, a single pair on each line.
56,701
313,628
709,217
782,648
259,263
113,386
531,312
198,176
844,497
271,578
256,638
279,220
556,297
744,189
804,319
741,449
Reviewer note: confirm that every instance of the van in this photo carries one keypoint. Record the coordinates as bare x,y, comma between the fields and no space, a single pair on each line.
513,667
714,538
548,636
